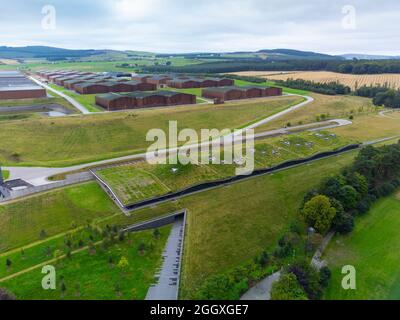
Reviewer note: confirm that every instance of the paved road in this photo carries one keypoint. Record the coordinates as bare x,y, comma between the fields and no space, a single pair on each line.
167,286
262,291
72,101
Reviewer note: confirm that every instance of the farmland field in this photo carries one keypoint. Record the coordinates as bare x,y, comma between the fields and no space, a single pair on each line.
81,139
373,249
351,80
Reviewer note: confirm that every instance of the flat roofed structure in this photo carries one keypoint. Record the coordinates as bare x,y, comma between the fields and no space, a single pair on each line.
236,93
136,100
15,85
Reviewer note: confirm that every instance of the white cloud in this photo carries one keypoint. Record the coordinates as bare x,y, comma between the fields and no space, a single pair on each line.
135,9
205,25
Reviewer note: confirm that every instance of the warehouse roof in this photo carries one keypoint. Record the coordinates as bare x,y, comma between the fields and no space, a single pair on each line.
12,81
11,74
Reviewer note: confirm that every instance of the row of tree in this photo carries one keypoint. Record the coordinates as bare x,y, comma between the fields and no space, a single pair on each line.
342,66
381,95
331,88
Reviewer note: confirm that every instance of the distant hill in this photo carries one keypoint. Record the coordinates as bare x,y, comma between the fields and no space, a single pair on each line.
351,56
265,54
44,52
295,54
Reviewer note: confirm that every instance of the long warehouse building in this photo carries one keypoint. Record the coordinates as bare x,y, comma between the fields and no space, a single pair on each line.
137,100
15,85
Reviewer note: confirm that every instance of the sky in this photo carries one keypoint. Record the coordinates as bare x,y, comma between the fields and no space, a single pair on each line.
177,26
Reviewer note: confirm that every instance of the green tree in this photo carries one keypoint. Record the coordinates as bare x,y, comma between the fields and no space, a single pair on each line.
319,213
288,288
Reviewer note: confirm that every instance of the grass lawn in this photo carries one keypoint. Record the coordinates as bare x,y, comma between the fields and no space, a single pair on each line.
89,276
373,248
332,107
6,174
368,127
140,181
21,222
81,139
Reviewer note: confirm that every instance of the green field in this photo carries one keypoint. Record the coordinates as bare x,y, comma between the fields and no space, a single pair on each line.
81,139
231,225
6,174
373,248
103,66
140,181
55,212
324,107
90,276
271,84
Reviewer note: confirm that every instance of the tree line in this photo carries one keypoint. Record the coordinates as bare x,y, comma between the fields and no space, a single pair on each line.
381,95
342,66
331,88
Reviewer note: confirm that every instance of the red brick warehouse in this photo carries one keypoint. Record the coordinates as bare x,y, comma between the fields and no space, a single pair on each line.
136,100
237,93
105,87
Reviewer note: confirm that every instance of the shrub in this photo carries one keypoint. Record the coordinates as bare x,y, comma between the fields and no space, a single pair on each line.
288,288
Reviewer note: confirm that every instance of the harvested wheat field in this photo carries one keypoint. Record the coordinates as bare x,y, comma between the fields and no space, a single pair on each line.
351,80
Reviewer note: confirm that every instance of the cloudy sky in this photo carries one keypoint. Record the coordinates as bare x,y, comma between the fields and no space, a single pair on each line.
357,26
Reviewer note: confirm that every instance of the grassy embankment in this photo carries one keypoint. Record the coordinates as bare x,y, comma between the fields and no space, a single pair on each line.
136,182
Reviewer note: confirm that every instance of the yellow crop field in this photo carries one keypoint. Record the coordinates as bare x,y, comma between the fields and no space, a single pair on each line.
351,80
10,62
